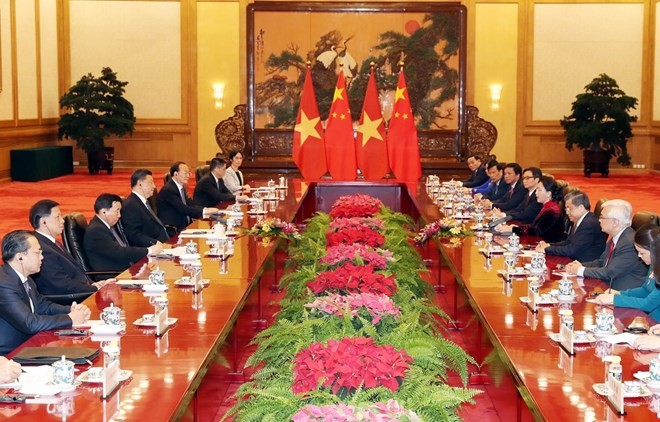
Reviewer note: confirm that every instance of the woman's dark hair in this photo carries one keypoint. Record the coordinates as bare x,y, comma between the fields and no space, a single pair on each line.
550,184
234,153
655,257
646,235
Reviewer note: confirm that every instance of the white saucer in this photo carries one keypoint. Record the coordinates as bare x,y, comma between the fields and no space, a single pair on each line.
170,322
601,389
107,329
154,287
124,374
257,212
67,388
182,283
189,256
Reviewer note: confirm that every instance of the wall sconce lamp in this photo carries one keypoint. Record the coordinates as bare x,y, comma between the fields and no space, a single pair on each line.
495,94
218,94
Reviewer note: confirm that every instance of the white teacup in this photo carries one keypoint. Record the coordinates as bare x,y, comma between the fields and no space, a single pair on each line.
111,315
94,374
157,276
537,261
565,287
63,372
191,247
604,321
654,369
633,388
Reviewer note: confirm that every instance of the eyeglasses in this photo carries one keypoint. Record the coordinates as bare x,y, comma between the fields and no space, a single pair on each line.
528,177
606,218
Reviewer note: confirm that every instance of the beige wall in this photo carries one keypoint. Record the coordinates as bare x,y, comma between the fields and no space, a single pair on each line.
172,52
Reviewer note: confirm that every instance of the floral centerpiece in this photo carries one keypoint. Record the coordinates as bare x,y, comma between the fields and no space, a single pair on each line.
274,227
363,304
446,227
356,234
353,279
355,206
343,366
339,224
391,411
358,254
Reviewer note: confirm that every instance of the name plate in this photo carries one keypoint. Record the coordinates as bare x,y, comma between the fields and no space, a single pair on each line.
161,322
615,394
533,297
566,337
110,378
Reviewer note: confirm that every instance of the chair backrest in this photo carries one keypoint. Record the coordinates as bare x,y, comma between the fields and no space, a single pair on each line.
599,207
75,225
166,177
642,217
202,171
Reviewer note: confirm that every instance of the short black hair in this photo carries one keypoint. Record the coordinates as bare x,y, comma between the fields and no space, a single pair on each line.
15,242
217,162
175,167
104,201
139,175
578,198
40,210
475,156
234,153
536,172
495,163
516,168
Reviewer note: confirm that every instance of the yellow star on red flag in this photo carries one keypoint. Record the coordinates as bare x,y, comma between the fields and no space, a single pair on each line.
307,127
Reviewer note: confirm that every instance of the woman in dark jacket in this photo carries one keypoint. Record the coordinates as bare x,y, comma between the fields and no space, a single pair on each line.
549,223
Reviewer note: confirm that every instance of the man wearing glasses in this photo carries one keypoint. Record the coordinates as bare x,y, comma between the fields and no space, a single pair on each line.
175,207
619,264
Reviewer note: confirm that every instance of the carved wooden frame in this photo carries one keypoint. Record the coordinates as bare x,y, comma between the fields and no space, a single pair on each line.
276,144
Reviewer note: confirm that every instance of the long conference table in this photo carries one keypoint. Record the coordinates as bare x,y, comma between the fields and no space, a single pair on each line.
167,371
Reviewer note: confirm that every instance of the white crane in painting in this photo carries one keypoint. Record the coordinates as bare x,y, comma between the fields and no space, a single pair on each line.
341,55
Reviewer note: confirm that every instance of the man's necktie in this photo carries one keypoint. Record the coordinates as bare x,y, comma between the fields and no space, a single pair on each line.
182,192
609,254
153,214
183,198
117,237
510,194
28,289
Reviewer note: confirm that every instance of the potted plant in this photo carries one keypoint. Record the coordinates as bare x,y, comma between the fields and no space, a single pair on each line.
96,108
600,124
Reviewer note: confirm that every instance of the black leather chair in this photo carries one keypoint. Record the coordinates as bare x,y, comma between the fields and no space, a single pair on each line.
599,207
643,217
75,225
201,171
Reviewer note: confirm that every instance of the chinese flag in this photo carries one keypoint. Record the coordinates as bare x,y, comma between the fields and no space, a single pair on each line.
308,147
402,146
370,144
339,142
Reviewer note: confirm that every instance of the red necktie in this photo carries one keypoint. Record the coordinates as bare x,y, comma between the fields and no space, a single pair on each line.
609,255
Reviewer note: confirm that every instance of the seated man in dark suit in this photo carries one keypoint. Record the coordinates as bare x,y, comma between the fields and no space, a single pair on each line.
60,272
495,188
585,242
105,245
530,207
478,176
23,311
141,224
619,265
175,208
211,189
516,193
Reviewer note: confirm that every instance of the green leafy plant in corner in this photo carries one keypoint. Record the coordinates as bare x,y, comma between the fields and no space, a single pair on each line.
96,109
600,119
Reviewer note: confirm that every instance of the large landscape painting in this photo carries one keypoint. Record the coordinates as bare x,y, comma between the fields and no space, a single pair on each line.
285,38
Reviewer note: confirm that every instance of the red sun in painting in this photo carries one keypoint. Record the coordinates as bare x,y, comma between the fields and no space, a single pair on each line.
412,26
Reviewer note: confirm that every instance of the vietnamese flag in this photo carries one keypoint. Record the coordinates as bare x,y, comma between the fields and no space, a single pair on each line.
339,141
370,144
402,145
308,147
